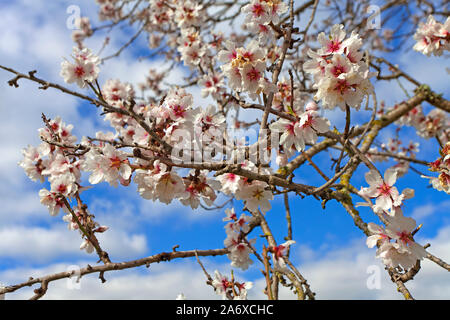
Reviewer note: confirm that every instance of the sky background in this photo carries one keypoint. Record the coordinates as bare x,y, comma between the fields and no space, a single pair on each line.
330,251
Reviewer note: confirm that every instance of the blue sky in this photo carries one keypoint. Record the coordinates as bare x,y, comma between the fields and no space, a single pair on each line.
34,243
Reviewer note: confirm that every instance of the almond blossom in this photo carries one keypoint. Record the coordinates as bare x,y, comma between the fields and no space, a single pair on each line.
114,90
245,68
291,136
263,12
243,290
33,164
378,235
52,201
401,228
383,190
279,252
107,164
432,37
84,30
221,284
239,251
340,75
188,13
396,245
236,224
231,183
160,184
198,186
212,85
63,184
334,42
84,68
87,245
255,195
302,131
310,124
441,166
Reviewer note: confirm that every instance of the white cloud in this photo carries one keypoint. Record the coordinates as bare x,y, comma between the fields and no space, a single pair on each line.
343,273
39,245
421,212
338,274
161,281
38,39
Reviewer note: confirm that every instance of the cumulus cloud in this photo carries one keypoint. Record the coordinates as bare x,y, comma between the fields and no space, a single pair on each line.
338,274
163,281
38,244
428,209
344,273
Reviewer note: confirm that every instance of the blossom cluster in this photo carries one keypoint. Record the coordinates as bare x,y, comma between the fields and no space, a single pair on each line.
261,14
279,253
109,9
264,12
245,68
434,123
84,69
83,31
226,288
395,148
387,198
340,75
304,129
171,120
396,245
53,161
432,37
255,194
441,166
149,133
236,242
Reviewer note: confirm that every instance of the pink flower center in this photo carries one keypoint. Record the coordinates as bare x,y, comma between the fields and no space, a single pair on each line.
309,122
258,194
337,70
278,251
342,86
62,188
79,71
248,56
405,237
231,177
290,128
334,46
253,74
115,162
178,111
225,283
233,55
385,189
258,10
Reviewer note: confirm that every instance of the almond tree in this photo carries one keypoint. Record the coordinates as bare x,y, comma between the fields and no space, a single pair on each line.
290,65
